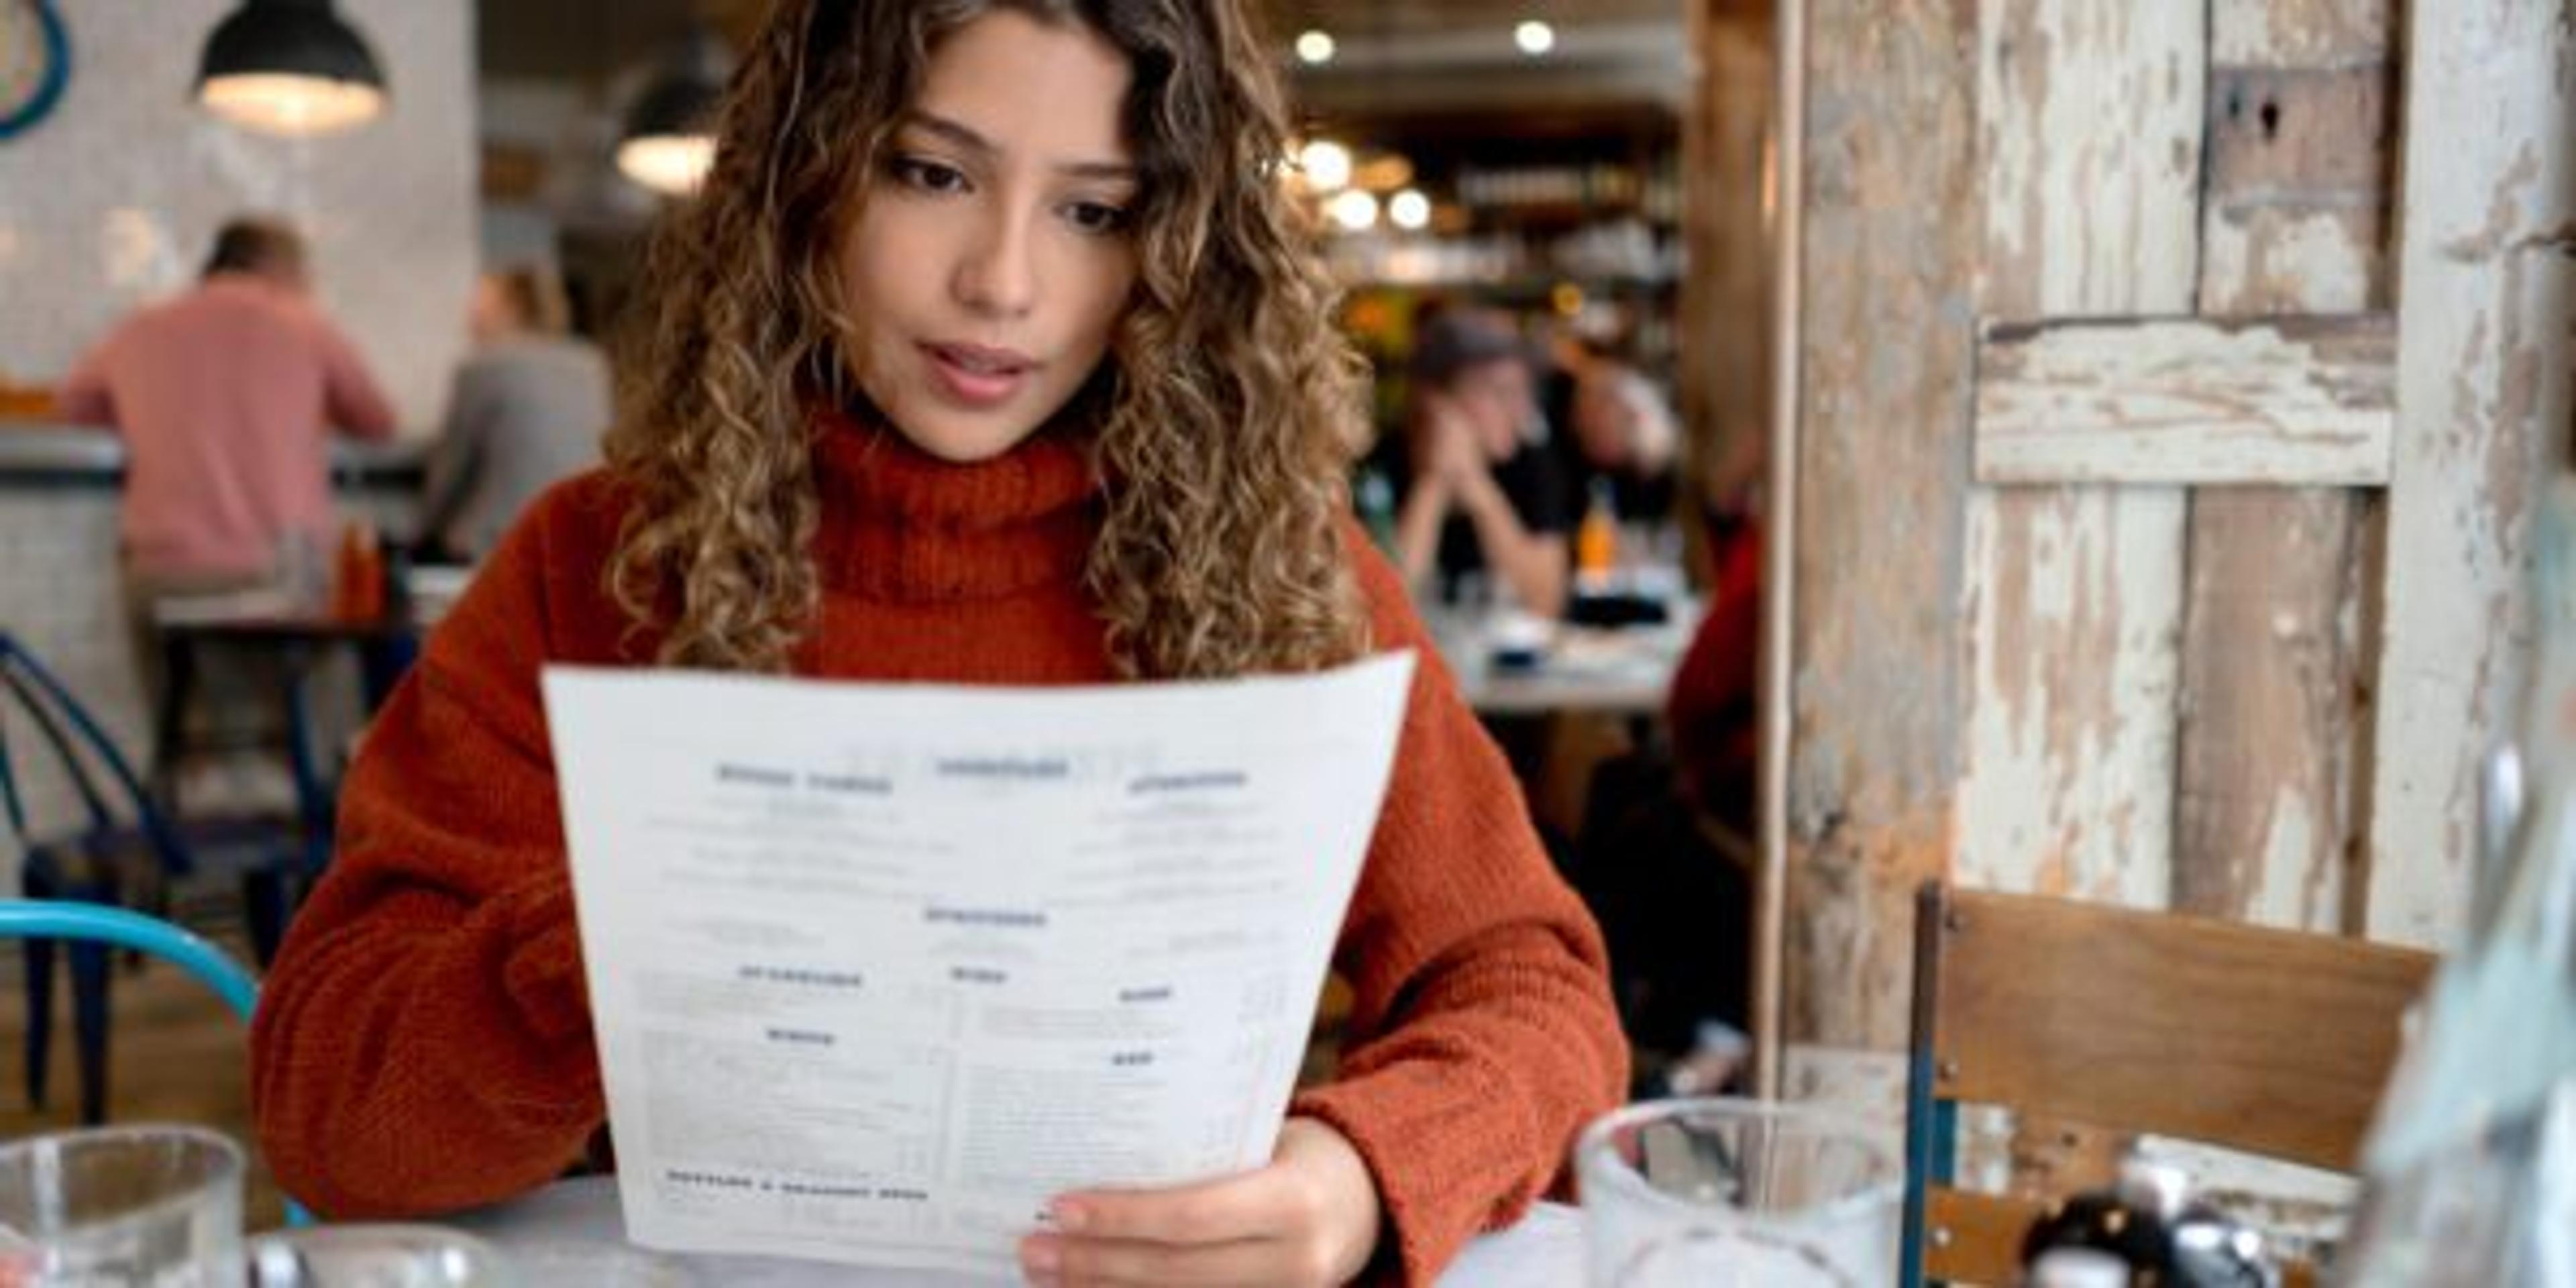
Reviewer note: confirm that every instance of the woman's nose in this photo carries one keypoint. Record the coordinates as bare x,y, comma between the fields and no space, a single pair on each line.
998,274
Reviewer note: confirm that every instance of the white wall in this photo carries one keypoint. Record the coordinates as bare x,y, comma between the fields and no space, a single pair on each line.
113,199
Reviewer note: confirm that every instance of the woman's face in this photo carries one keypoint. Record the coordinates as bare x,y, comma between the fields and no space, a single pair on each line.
992,258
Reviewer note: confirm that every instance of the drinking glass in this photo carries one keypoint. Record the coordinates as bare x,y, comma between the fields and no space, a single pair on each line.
386,1255
1726,1193
143,1205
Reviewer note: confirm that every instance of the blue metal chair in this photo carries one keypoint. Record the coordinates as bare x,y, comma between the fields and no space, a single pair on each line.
125,850
44,920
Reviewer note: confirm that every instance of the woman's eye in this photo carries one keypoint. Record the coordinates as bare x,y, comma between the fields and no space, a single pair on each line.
928,176
1096,216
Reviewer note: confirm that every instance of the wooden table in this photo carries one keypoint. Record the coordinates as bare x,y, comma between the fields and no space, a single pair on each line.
572,1232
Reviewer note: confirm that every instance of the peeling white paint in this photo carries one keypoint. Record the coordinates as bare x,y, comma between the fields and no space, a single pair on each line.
2073,604
2090,118
2089,126
2270,260
2186,401
2287,891
2484,399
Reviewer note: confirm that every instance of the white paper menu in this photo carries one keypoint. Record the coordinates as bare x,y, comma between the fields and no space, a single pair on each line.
876,970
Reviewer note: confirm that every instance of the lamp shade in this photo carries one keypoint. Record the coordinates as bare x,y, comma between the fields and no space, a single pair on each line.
289,67
668,141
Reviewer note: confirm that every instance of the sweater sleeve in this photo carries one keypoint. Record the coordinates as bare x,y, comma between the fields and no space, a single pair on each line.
1482,1030
423,1042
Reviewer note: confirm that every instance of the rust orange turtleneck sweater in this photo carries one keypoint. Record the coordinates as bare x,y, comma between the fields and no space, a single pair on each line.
423,1044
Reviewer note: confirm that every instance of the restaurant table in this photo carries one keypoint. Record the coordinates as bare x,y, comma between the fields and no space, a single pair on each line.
571,1232
1579,670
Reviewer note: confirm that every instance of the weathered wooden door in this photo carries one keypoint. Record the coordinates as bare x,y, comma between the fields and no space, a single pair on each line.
2173,379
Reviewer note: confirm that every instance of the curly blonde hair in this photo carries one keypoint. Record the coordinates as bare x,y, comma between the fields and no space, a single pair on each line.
1225,417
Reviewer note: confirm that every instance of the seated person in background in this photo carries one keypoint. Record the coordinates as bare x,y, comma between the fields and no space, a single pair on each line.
528,408
225,396
1481,491
1623,432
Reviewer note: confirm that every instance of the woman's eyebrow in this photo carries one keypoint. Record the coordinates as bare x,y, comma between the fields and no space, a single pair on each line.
964,136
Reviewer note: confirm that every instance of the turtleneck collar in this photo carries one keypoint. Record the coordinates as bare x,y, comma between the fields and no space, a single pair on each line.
900,524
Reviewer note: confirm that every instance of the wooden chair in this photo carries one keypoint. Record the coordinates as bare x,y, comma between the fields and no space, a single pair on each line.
2266,1041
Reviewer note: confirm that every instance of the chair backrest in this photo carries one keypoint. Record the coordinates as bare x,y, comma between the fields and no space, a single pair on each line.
209,965
98,771
2267,1041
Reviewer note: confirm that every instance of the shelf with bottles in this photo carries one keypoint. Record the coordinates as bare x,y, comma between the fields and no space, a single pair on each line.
1573,192
1623,255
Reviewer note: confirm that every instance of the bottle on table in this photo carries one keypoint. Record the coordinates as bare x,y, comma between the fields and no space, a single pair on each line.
1596,539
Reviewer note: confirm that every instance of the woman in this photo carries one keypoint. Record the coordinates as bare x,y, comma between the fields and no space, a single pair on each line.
988,355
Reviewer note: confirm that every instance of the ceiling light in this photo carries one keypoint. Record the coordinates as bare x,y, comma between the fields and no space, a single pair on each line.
289,67
1315,47
1409,210
1327,165
1534,38
668,142
1354,210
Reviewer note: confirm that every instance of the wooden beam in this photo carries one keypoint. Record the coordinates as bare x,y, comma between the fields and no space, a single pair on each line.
2483,402
2090,119
2278,621
1892,223
2176,400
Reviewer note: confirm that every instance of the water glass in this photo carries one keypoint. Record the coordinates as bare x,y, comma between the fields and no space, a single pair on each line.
388,1255
1726,1193
144,1205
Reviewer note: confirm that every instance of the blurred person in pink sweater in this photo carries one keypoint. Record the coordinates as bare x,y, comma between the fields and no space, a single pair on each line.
225,396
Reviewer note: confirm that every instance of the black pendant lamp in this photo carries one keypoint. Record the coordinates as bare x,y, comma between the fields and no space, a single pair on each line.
668,140
290,67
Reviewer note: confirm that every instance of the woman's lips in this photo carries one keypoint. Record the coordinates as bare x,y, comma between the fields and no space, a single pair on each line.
977,377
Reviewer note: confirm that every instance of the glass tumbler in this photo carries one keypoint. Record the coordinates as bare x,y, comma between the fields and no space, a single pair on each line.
1727,1193
157,1206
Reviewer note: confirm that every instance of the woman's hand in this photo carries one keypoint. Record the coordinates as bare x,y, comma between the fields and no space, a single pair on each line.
1308,1218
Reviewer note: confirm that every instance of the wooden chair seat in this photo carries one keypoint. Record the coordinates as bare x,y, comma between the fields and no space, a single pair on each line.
2267,1041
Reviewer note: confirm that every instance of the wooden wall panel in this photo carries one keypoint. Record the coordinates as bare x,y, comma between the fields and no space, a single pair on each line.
2277,630
2089,122
2486,351
2177,400
1892,228
2073,597
1724,384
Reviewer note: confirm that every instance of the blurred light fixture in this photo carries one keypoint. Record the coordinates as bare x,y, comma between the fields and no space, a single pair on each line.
1327,165
669,142
1382,171
289,67
1353,210
1534,38
1409,210
1315,47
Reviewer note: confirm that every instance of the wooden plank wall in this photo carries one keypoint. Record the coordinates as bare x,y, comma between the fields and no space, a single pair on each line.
2089,126
1893,228
2485,351
2181,400
1724,389
2276,629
